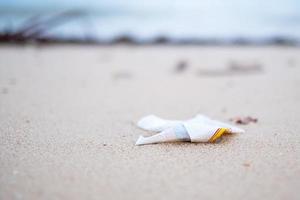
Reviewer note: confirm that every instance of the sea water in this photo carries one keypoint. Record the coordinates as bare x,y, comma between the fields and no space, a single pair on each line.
146,19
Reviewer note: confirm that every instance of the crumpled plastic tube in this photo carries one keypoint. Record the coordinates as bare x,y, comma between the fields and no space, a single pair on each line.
197,129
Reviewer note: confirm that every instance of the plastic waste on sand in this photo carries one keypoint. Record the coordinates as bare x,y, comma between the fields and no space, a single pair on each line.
198,129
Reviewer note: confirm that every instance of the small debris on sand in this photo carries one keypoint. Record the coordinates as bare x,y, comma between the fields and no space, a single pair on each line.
233,68
246,164
244,67
244,120
122,75
4,90
181,66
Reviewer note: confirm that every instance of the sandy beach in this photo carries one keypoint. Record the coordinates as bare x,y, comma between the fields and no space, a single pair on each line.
68,122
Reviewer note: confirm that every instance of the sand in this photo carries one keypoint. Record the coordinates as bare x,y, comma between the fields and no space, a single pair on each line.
68,114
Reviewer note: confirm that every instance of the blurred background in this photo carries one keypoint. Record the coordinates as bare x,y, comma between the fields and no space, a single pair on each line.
142,21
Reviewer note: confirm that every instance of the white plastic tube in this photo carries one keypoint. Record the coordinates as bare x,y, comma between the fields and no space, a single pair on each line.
197,129
173,134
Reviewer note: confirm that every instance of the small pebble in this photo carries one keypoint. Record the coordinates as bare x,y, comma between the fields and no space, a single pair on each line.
246,164
181,66
4,90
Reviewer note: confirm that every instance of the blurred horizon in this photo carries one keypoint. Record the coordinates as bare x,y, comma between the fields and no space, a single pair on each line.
145,20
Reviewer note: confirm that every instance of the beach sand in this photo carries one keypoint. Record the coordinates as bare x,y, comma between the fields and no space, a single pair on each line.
68,115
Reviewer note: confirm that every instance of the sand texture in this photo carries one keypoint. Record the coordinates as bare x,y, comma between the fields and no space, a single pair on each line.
68,114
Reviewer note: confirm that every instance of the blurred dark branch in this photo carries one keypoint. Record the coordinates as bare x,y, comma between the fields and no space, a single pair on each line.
35,27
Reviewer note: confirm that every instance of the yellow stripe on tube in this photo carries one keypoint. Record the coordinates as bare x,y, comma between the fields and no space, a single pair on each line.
217,134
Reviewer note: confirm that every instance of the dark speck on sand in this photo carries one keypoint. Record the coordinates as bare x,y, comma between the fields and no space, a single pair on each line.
4,90
233,68
181,66
122,75
246,164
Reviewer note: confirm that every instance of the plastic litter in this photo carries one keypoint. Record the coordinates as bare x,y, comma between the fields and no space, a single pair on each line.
198,129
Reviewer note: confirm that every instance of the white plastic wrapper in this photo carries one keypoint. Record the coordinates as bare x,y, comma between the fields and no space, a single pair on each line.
197,129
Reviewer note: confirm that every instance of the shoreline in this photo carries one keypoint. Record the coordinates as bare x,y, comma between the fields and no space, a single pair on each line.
19,38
